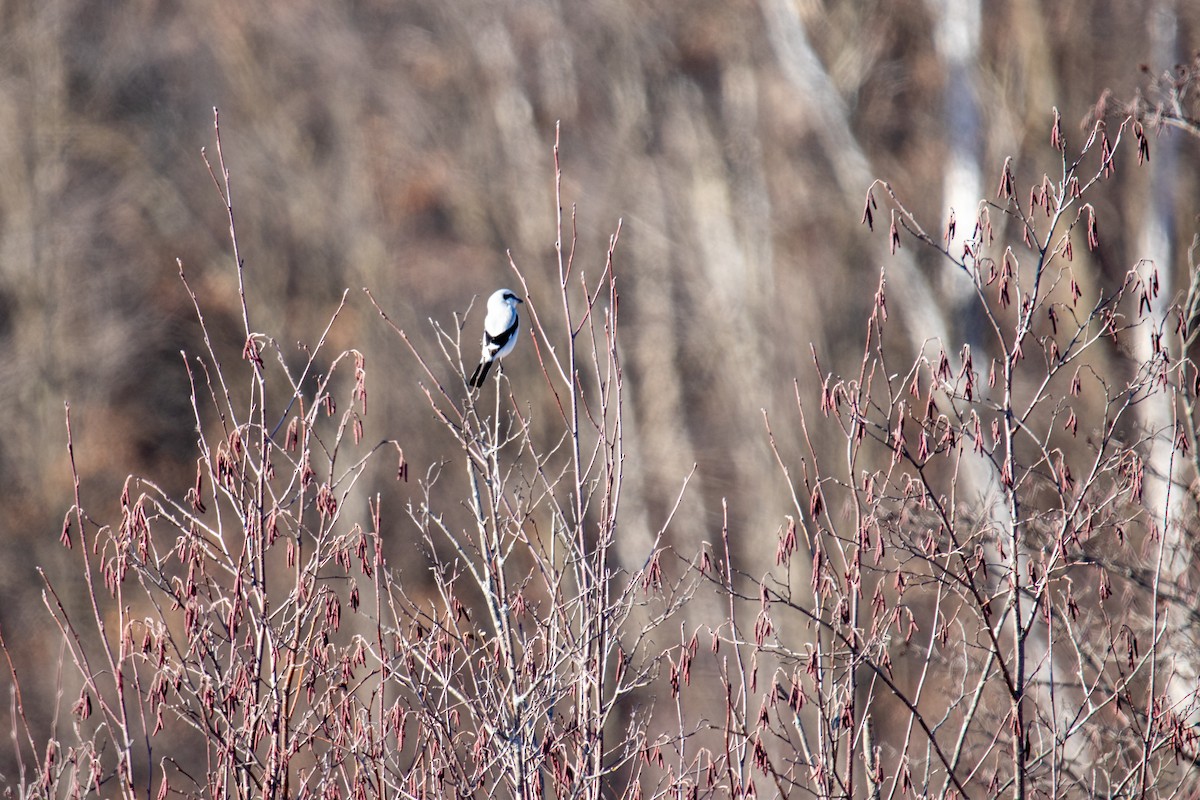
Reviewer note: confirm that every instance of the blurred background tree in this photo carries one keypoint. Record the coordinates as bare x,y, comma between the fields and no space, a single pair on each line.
405,146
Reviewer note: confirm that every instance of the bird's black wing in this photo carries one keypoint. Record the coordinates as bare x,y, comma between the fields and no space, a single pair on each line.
496,343
491,346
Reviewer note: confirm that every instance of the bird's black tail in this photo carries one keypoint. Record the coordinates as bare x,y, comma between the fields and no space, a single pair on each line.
480,374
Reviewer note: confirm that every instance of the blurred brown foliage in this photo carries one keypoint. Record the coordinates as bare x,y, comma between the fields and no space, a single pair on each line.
405,146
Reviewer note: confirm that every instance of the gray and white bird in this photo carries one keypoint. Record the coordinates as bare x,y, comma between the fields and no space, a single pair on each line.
499,333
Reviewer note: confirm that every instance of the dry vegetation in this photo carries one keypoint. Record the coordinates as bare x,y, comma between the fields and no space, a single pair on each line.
819,507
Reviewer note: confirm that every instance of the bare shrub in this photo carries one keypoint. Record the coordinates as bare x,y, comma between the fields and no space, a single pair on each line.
249,639
999,589
995,570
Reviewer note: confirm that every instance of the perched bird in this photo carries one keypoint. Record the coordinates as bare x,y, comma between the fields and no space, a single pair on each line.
499,333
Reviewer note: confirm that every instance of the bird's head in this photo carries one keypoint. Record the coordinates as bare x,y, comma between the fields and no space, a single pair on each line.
504,297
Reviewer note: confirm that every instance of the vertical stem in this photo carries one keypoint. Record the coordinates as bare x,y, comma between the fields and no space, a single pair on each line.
591,585
1018,711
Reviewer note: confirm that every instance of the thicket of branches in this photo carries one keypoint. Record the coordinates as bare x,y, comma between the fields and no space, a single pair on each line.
987,591
957,559
250,639
1001,588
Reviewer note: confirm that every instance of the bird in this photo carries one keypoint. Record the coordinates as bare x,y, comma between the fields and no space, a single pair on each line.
499,332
